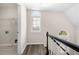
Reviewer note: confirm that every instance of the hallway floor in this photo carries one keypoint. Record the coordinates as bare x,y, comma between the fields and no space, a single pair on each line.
35,50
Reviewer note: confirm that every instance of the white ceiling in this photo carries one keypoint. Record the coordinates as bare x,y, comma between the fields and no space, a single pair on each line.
71,10
50,6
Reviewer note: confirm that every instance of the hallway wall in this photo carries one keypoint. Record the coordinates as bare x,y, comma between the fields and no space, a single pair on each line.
77,36
73,16
22,28
52,22
33,37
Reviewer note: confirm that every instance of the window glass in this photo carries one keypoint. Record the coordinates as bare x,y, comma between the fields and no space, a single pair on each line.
36,21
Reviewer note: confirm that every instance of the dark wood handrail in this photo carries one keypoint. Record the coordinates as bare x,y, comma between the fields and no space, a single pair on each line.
69,44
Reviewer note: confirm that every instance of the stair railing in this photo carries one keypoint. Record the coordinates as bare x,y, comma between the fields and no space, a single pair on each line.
55,39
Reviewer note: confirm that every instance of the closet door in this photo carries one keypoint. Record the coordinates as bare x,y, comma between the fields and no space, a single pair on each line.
8,31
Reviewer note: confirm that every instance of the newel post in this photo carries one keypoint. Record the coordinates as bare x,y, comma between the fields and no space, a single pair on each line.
47,51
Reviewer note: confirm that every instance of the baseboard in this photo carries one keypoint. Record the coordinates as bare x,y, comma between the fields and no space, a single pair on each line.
45,45
34,43
25,51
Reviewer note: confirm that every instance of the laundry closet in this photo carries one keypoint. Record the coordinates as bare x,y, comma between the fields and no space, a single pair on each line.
8,28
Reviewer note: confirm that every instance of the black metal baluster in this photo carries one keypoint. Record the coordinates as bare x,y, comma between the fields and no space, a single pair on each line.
47,50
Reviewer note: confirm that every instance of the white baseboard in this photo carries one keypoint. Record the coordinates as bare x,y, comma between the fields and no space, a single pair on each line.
45,45
34,43
23,49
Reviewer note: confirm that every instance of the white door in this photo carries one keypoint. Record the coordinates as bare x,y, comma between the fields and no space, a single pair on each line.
8,31
8,35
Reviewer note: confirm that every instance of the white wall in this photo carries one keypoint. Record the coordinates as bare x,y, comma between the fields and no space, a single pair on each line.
77,36
33,37
51,22
73,15
77,39
22,22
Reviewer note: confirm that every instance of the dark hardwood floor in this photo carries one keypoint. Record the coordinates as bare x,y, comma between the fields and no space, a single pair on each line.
35,50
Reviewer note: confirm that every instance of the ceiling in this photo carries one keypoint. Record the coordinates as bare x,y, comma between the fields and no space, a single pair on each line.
49,6
71,10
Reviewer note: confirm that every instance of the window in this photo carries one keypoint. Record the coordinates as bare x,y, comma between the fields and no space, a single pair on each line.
36,21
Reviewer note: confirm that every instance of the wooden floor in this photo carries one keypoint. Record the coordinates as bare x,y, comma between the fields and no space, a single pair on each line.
35,50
